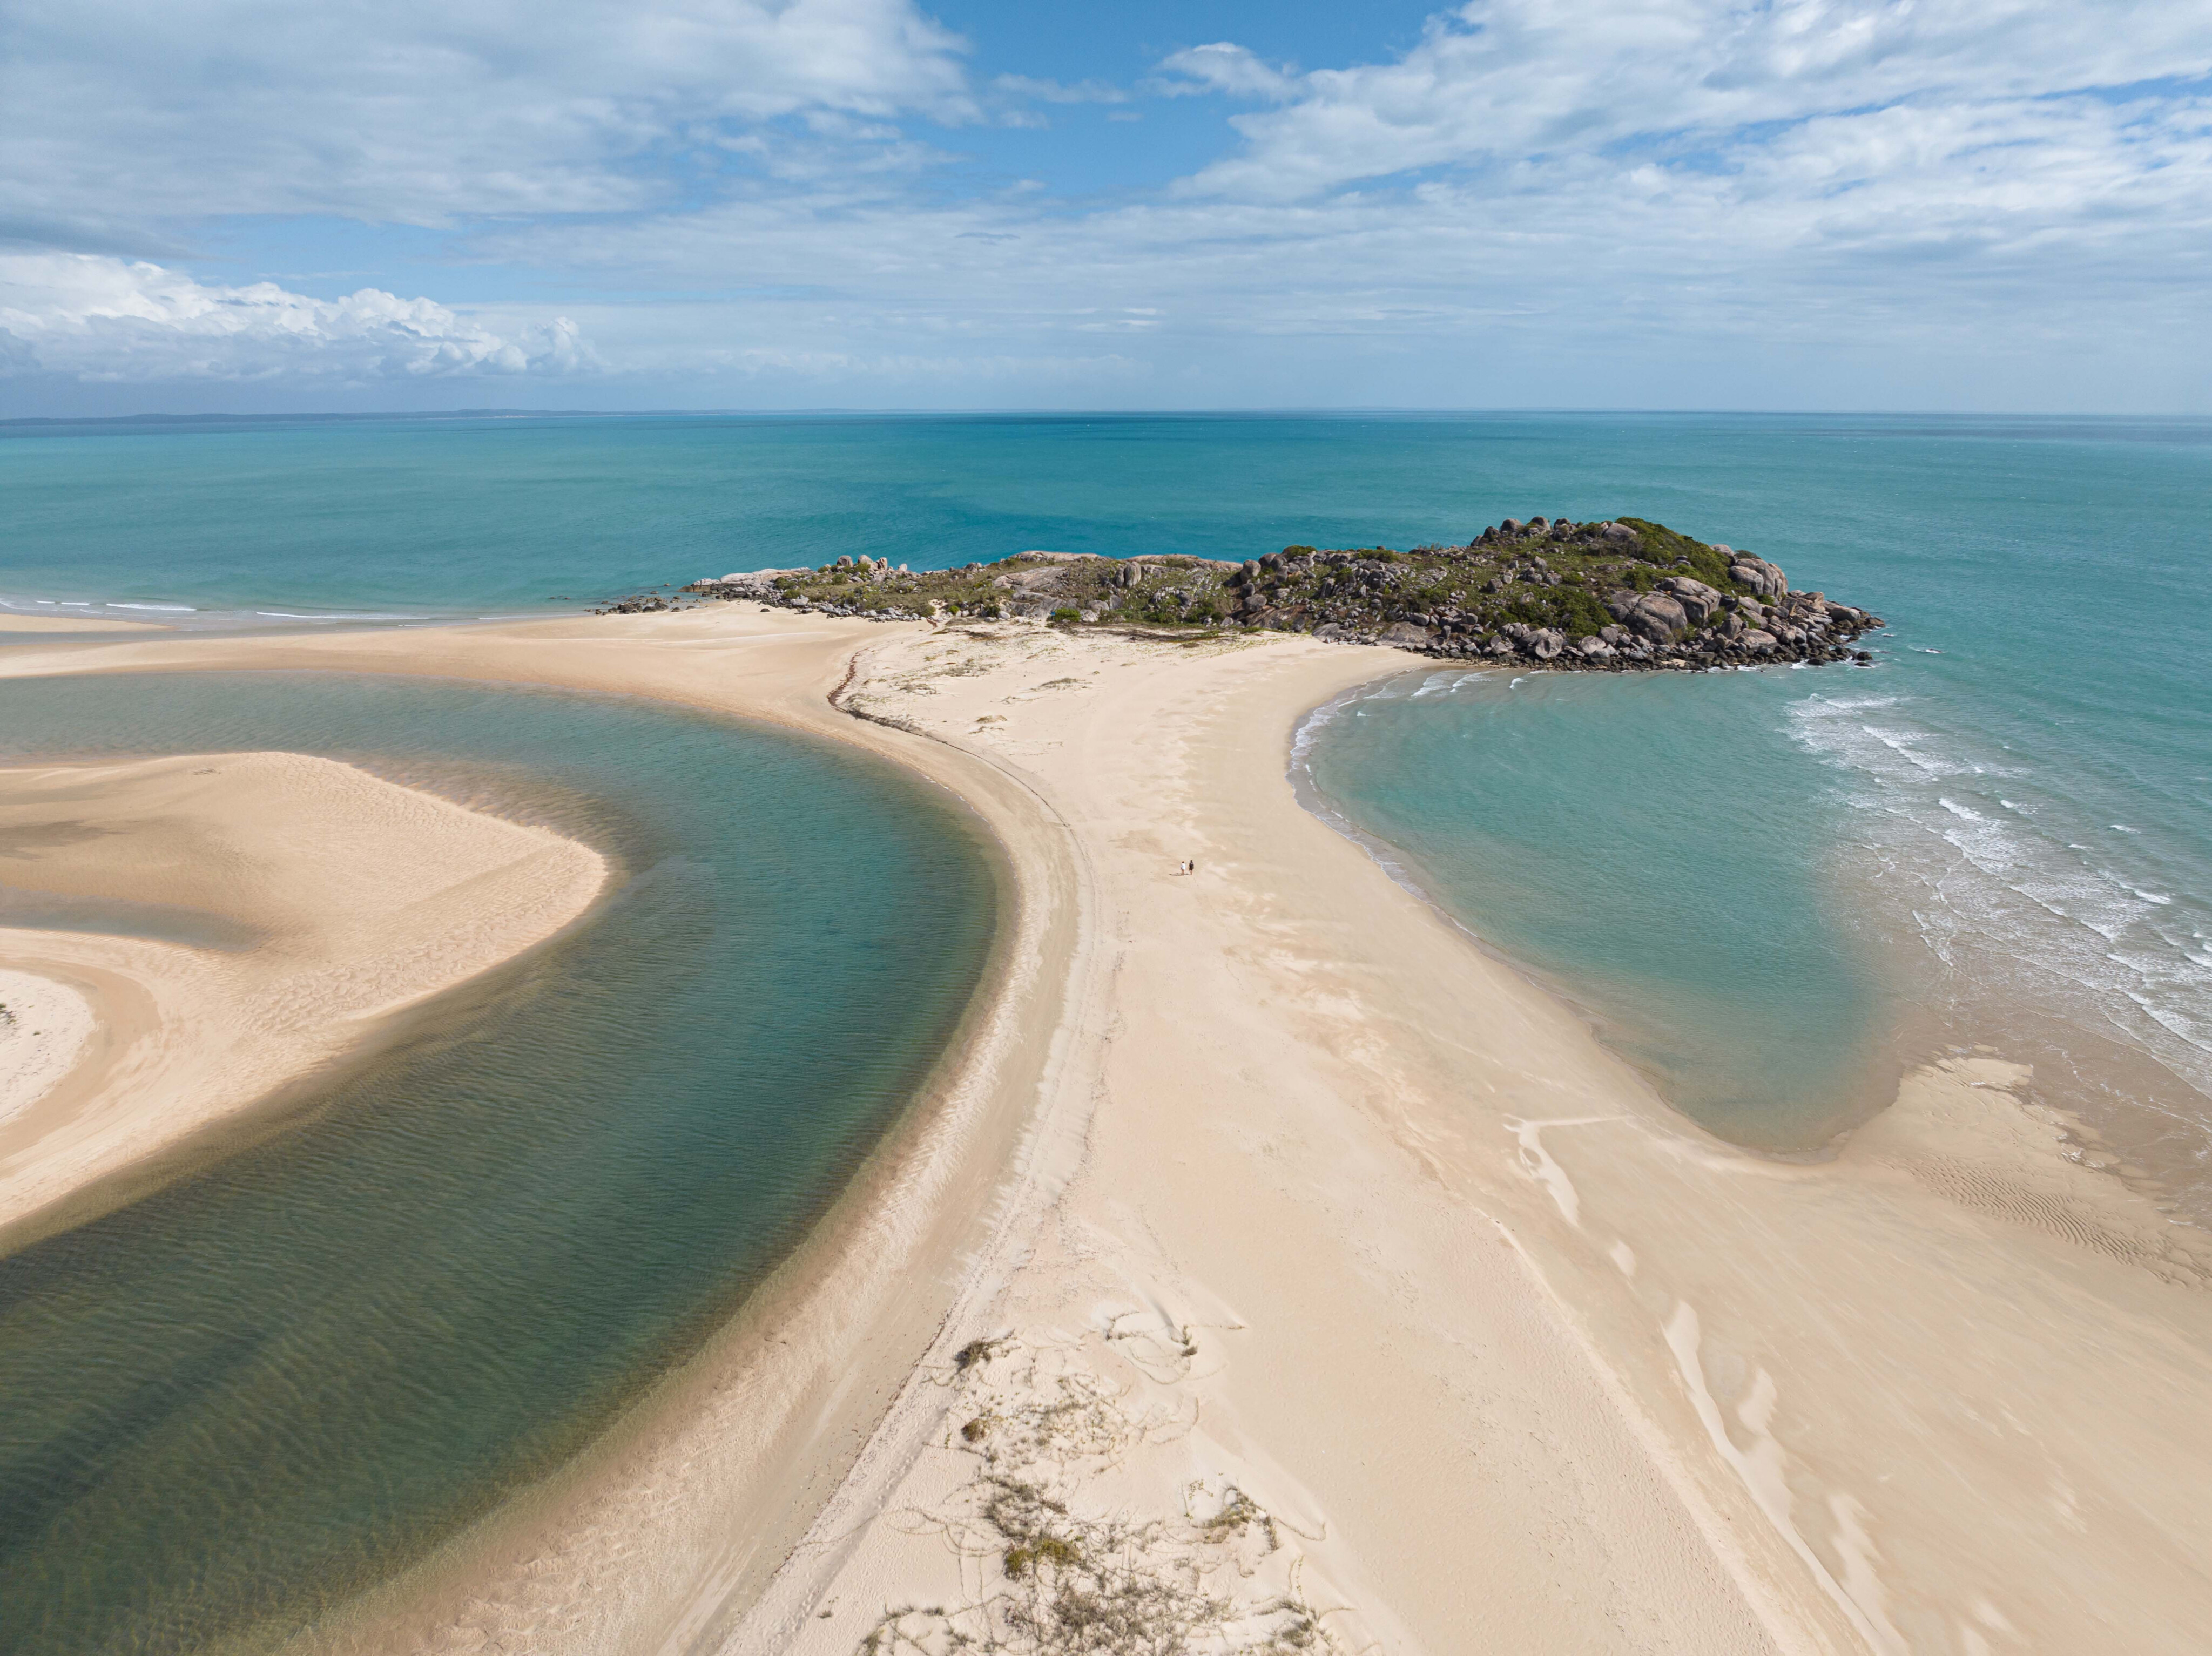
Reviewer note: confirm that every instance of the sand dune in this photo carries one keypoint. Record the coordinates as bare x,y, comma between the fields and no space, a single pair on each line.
1329,1276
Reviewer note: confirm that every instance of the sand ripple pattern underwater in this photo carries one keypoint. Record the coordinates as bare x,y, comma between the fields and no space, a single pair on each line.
231,1403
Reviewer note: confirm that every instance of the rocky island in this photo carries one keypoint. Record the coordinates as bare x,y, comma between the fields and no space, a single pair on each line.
1618,595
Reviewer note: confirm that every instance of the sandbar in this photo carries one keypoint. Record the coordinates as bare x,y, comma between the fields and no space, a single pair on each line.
342,899
1292,1248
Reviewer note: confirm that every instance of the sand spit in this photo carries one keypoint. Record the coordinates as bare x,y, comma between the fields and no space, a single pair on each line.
1276,1271
360,898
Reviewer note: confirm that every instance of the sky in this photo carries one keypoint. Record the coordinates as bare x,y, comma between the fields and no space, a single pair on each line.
262,205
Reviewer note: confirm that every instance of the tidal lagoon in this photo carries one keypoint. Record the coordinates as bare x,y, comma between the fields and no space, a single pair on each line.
235,1402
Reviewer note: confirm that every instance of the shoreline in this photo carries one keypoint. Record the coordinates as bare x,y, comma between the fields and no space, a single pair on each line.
2083,1091
1301,1149
1875,1089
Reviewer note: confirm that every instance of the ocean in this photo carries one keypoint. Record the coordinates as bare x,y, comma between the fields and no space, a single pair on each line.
1776,890
1772,890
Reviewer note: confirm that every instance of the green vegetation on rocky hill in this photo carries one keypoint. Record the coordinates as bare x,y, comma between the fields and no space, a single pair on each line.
1617,594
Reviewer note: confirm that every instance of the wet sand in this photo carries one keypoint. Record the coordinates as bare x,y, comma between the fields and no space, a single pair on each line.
1264,1192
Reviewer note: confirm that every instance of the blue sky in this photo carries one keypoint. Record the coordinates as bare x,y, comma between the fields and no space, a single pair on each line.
254,205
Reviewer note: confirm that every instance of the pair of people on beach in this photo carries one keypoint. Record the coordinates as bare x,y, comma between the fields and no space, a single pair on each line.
1187,867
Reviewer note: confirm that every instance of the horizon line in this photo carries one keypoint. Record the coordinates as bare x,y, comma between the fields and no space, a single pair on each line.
1225,412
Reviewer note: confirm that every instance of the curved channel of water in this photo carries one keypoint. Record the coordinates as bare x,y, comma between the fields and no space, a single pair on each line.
233,1403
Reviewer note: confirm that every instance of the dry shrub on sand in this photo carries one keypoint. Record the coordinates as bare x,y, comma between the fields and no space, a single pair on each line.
1059,1581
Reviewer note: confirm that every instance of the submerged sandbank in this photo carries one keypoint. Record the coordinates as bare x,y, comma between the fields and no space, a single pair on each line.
1320,1208
363,898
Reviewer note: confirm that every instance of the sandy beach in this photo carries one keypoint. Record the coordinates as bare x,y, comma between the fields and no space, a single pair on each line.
1269,1261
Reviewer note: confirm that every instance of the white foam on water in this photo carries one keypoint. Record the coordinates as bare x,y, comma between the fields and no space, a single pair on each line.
287,615
1310,727
2113,937
1400,689
166,608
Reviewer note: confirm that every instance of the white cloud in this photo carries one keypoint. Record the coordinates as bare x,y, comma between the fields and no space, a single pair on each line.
1933,250
1502,80
2067,212
876,372
1540,202
126,113
103,320
1225,66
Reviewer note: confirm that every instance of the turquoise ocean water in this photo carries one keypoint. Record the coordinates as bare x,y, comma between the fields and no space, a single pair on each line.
1771,889
1774,889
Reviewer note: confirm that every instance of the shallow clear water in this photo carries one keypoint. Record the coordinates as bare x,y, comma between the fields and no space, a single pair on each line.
1573,821
229,1403
1770,888
1773,887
